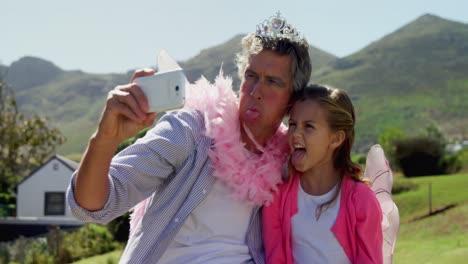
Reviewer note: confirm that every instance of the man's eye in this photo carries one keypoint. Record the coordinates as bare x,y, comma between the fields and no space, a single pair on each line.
273,82
249,75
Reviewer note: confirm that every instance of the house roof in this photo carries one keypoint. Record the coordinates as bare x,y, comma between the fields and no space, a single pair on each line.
72,165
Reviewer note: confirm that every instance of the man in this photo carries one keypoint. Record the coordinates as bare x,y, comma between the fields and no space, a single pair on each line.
203,171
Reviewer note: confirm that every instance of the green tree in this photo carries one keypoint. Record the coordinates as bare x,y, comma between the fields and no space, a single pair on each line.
434,132
25,142
388,141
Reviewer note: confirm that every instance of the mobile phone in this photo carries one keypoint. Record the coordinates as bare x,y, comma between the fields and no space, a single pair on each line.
164,90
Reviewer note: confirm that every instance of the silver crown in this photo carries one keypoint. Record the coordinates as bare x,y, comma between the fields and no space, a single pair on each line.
276,27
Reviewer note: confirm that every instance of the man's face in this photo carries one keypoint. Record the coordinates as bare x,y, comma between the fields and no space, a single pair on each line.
264,93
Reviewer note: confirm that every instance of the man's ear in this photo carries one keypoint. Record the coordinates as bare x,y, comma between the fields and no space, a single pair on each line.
338,139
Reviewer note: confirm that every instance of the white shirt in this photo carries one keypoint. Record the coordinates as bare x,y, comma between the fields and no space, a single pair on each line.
215,232
312,240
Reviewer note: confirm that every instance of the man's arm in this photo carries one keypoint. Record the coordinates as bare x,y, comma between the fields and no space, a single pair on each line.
123,116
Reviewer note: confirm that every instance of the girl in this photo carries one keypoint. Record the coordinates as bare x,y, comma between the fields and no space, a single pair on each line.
324,212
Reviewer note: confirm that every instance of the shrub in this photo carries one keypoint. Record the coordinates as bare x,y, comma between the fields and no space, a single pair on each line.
451,163
18,249
25,250
59,246
462,157
87,241
400,186
425,154
419,156
38,252
422,155
388,141
360,159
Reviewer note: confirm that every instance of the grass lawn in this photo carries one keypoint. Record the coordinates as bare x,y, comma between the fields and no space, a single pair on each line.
108,258
446,190
440,238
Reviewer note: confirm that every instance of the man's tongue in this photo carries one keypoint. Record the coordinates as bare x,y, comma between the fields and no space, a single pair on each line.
297,156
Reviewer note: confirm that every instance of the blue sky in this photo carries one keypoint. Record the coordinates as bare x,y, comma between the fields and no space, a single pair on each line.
114,36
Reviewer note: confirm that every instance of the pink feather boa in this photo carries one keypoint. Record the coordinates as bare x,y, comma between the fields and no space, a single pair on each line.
251,177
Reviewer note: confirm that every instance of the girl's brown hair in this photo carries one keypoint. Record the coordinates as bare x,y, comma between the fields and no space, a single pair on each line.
340,116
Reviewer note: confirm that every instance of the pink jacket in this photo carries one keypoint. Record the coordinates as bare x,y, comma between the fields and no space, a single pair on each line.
357,227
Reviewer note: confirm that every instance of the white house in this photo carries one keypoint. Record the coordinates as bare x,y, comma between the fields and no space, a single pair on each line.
41,195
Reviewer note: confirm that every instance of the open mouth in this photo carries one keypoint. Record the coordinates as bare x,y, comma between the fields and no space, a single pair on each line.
298,153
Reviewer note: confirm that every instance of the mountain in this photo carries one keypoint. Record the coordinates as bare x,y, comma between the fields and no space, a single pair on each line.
29,72
208,62
73,100
409,79
3,70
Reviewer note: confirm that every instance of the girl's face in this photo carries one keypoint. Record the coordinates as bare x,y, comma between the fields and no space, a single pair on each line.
310,139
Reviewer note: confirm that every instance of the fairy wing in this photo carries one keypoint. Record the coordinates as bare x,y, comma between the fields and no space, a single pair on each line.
381,177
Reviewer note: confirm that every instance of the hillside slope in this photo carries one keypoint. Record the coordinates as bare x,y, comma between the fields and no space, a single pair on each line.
410,78
73,100
208,62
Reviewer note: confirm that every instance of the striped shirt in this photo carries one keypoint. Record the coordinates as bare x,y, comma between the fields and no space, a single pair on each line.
170,165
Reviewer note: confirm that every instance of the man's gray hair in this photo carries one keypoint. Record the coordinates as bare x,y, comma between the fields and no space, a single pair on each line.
299,53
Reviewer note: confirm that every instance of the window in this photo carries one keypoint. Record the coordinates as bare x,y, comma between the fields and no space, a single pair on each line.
54,203
55,166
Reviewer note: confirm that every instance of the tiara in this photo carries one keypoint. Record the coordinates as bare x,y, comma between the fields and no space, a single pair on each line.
276,27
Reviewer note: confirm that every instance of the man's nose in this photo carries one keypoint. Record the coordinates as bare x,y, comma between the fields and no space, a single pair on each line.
256,90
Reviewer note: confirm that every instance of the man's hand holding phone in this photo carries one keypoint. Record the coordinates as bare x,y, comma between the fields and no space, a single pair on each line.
126,111
132,107
129,108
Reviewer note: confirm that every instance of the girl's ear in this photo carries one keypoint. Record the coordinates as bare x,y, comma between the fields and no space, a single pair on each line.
338,139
